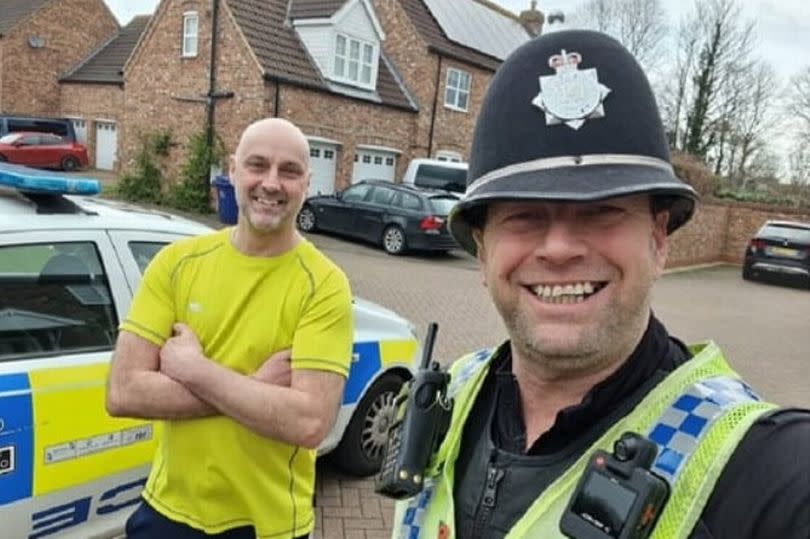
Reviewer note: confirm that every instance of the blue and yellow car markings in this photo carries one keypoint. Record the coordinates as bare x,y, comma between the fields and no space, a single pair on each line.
369,358
16,438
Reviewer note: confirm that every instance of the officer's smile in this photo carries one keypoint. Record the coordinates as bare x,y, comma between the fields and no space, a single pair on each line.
567,293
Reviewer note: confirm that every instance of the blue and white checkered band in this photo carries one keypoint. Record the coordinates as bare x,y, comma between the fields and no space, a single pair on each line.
469,366
412,522
682,426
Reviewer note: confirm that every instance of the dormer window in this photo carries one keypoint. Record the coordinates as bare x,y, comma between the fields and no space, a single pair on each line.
190,31
355,61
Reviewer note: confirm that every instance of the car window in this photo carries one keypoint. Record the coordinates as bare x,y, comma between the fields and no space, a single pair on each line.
144,251
8,139
408,201
439,177
54,299
796,234
442,205
50,139
356,193
382,195
29,140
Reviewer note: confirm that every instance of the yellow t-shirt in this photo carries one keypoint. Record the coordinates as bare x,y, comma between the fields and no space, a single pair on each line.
213,473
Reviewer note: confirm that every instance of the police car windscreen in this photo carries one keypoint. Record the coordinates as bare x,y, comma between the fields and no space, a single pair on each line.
439,177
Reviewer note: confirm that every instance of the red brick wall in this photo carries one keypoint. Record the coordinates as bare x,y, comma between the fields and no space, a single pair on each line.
719,233
91,102
70,29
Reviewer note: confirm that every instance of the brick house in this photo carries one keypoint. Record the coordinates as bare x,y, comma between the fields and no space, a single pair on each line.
365,81
92,94
39,41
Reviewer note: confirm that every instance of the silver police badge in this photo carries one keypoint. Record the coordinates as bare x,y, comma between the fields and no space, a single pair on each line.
570,96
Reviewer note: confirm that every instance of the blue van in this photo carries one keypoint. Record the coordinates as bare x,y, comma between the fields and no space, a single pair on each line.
10,123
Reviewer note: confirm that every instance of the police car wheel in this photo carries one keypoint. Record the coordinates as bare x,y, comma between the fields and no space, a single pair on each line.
360,451
393,240
306,219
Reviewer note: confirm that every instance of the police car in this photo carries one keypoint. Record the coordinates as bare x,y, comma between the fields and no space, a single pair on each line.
69,264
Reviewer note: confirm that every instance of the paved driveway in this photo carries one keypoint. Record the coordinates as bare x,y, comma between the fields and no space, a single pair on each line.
762,328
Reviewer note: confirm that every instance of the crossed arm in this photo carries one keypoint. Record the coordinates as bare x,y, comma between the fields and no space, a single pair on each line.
177,381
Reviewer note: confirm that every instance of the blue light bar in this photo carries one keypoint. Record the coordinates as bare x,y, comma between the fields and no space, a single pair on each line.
43,181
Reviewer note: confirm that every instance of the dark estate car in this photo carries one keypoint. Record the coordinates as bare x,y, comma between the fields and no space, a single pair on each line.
779,249
398,217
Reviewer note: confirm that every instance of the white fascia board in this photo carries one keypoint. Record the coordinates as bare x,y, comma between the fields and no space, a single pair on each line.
378,148
311,22
323,140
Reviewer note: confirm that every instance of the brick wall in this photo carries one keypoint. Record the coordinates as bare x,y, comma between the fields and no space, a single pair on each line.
91,102
719,232
70,30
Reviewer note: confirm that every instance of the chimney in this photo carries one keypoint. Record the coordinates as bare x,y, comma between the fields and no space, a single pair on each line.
532,19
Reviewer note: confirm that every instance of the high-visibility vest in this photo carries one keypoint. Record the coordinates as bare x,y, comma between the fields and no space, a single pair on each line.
697,416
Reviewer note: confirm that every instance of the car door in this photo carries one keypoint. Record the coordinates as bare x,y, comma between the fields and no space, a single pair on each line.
27,151
51,148
69,467
369,214
340,216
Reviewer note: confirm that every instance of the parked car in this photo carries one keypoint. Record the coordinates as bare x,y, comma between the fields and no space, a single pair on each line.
43,150
13,123
779,249
436,174
68,266
398,217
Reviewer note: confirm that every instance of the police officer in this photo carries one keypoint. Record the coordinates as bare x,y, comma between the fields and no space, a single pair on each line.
569,204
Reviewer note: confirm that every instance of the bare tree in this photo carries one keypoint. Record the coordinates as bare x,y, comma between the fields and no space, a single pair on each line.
799,103
640,25
799,164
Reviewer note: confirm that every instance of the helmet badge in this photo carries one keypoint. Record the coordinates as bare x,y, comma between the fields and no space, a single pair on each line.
570,96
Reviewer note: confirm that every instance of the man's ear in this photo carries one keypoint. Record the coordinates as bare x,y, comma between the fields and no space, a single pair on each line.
480,253
231,166
660,241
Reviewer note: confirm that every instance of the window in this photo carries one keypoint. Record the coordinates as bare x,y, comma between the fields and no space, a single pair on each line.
144,251
314,152
447,155
354,60
378,160
190,28
408,201
328,154
356,193
54,299
389,161
382,196
457,92
366,159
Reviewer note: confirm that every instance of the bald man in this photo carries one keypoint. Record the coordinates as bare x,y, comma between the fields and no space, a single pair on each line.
240,342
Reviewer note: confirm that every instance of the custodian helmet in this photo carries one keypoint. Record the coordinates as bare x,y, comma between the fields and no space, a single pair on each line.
569,116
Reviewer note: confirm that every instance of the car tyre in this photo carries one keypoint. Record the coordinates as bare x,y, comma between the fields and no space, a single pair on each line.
360,451
393,240
69,163
307,222
747,274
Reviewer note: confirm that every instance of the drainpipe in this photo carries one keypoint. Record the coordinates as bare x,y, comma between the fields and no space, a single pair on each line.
435,105
210,96
277,98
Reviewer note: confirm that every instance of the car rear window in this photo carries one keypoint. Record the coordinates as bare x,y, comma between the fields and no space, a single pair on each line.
439,177
790,233
54,299
443,205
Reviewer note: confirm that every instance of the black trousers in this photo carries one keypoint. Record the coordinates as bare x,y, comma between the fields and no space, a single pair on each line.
146,523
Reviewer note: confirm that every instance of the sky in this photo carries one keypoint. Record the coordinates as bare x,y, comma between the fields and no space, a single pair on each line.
783,26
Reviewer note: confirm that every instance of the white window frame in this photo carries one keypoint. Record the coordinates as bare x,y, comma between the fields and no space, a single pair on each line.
188,37
453,93
342,63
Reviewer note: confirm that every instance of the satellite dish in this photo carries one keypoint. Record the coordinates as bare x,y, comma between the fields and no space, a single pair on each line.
36,42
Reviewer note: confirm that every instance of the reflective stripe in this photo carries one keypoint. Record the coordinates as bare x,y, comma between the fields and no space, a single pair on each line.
681,427
412,519
550,163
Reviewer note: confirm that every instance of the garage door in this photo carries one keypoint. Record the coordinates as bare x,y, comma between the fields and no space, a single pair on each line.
374,165
80,126
106,145
322,159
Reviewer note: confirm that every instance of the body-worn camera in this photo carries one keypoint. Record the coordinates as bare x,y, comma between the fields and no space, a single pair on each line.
420,427
618,496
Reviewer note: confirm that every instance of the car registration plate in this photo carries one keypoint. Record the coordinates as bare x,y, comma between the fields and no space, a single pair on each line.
783,251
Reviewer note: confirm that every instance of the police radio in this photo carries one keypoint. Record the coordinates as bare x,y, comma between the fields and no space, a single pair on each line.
421,425
618,497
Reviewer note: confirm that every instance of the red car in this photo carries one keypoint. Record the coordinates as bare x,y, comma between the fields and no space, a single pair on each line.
42,150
